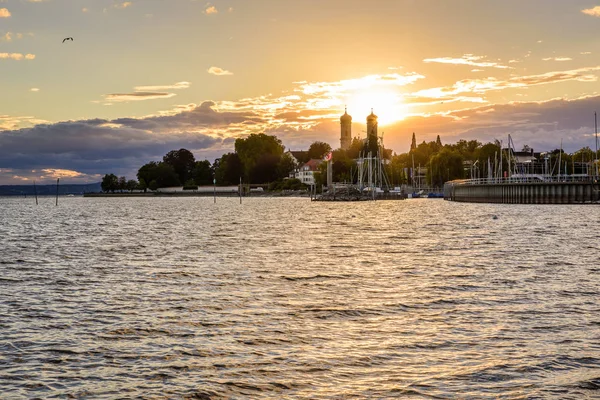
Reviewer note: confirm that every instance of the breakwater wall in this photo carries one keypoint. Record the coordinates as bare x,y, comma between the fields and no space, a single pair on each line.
524,192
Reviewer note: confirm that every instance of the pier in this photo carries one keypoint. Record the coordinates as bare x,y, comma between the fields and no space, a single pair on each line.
549,190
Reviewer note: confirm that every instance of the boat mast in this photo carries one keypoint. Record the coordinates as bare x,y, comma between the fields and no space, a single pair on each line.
596,136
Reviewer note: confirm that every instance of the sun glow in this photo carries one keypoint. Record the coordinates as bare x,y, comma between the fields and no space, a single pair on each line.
387,105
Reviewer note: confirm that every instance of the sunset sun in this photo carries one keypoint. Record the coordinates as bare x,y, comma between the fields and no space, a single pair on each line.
386,104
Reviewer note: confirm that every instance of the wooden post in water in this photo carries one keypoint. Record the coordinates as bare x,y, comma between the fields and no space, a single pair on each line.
240,190
57,180
215,191
35,192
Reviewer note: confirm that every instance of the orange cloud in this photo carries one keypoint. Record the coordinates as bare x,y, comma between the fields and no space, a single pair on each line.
219,71
4,13
17,56
467,59
594,12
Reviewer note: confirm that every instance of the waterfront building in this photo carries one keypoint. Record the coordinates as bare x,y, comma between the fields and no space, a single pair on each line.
306,172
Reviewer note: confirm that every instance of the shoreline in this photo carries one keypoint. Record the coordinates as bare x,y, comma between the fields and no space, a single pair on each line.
199,194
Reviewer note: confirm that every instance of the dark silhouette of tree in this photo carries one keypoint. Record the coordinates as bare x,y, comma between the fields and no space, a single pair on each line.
182,161
228,169
438,143
122,183
110,183
318,150
202,173
147,173
158,175
166,176
265,169
286,166
355,148
257,148
132,185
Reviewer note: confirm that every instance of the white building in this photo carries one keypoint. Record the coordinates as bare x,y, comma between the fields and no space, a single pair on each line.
306,172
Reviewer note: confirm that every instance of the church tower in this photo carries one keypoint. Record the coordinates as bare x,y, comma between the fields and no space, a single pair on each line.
372,139
346,134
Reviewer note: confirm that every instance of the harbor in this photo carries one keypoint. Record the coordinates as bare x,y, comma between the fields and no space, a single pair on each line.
563,190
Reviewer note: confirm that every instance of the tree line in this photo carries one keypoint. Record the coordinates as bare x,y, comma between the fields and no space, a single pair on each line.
261,159
258,158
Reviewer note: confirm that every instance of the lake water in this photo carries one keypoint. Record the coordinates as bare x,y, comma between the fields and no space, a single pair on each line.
287,298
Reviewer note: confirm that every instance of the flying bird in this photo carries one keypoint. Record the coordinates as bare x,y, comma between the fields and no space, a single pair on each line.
68,38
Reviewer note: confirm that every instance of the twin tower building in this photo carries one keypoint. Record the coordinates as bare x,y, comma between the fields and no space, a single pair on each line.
346,129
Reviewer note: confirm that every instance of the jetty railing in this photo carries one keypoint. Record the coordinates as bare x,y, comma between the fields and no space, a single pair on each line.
526,189
528,179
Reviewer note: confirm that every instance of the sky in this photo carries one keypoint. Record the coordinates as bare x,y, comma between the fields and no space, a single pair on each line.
143,77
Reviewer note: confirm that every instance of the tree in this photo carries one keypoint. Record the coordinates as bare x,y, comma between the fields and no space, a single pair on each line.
445,166
318,150
122,183
228,169
355,148
131,185
110,183
286,166
265,169
182,161
257,147
438,143
158,175
166,176
413,144
202,173
142,185
148,173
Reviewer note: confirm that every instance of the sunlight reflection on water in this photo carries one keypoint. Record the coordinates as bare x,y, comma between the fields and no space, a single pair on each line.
180,297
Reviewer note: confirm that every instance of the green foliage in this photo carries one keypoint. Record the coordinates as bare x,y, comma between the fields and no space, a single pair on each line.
142,185
147,172
202,173
183,163
122,183
286,165
153,185
355,148
287,184
110,183
166,176
132,185
445,166
258,149
162,174
228,169
318,150
190,185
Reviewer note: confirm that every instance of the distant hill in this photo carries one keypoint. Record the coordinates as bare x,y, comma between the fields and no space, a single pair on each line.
45,190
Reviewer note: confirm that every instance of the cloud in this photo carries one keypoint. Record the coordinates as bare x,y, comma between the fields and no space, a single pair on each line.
467,59
123,5
4,13
211,9
145,93
17,56
557,59
594,12
480,86
178,85
121,146
137,96
34,89
219,71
